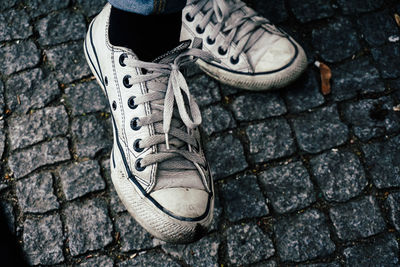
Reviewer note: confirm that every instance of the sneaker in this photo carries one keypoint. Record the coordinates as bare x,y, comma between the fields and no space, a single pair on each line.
158,167
254,54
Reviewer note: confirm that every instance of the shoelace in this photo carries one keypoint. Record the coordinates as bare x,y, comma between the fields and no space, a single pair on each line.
162,98
243,28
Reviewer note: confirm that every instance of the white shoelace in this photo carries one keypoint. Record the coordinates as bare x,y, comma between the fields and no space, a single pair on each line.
162,97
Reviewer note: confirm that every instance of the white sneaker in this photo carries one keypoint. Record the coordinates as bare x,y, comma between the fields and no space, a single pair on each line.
254,54
157,164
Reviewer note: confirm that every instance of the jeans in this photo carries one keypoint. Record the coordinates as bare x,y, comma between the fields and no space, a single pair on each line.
147,7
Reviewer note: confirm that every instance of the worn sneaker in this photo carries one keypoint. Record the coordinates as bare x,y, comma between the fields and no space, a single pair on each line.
254,54
157,164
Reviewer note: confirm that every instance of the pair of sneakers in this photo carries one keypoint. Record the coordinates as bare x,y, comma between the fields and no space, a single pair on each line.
157,162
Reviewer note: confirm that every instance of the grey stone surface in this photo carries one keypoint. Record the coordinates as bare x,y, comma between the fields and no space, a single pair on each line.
216,119
320,130
257,106
68,61
79,179
36,194
303,236
7,210
2,138
61,27
18,56
33,128
247,244
91,135
358,76
91,7
270,140
381,252
24,162
386,58
288,187
393,204
36,8
85,98
225,156
331,264
382,162
310,10
43,240
204,90
273,10
358,6
150,259
372,117
132,235
337,41
2,103
14,24
102,261
357,219
304,94
30,89
8,3
88,225
339,175
243,198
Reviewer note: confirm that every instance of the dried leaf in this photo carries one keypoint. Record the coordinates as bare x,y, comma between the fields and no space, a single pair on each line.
326,76
397,18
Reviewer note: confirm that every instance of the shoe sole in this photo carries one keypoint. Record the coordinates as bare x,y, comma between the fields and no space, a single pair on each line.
156,221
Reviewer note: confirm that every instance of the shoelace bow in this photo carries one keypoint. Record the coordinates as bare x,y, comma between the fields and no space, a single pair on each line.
162,99
244,29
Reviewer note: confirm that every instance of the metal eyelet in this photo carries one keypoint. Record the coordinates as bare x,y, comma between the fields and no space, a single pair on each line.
138,166
122,58
114,105
234,61
189,18
125,81
199,30
105,80
134,124
210,41
221,51
136,146
131,102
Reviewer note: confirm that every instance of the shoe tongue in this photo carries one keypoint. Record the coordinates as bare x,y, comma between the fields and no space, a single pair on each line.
172,54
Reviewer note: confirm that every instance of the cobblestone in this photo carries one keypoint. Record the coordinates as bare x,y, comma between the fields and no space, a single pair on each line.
24,162
2,138
204,90
243,198
43,240
30,89
43,124
310,10
225,156
68,62
7,210
36,194
339,175
393,204
358,76
18,56
40,7
79,179
337,41
14,24
331,264
89,227
91,136
102,261
216,119
270,140
2,104
8,3
133,236
382,162
85,98
248,244
320,130
91,7
303,237
372,117
386,58
150,259
382,252
357,219
258,106
358,6
52,28
273,10
288,187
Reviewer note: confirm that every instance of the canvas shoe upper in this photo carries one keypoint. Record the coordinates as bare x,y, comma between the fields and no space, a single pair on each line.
254,53
157,164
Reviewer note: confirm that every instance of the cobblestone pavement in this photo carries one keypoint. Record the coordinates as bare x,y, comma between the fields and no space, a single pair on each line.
302,179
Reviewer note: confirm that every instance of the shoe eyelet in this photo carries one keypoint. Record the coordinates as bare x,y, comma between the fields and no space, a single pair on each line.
134,124
221,51
126,81
106,80
136,146
138,166
234,61
210,41
122,58
189,18
199,30
131,102
114,105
